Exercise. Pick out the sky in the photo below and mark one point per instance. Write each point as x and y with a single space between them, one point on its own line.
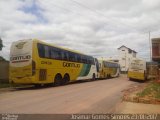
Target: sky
93 27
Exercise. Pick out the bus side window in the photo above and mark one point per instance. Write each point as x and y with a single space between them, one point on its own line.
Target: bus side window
84 59
65 55
41 50
71 56
88 60
79 58
107 64
56 53
46 49
91 60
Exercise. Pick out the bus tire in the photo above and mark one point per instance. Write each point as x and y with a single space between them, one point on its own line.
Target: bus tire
93 76
58 80
107 76
145 75
66 79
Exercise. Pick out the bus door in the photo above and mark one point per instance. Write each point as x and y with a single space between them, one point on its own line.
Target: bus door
97 64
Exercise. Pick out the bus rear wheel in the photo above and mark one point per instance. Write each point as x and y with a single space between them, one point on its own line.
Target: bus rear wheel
66 79
57 80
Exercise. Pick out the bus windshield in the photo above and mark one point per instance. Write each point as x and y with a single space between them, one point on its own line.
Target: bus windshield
138 65
21 53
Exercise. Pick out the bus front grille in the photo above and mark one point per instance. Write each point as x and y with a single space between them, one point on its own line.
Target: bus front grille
42 74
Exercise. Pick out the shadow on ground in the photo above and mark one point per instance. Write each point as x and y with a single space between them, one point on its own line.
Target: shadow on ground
33 87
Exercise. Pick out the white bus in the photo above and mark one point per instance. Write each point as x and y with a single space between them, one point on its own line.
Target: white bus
141 70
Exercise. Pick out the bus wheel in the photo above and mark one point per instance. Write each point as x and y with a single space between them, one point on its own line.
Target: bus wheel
93 76
57 80
107 76
66 79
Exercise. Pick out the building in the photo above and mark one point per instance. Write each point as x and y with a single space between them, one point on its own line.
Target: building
156 49
125 56
156 54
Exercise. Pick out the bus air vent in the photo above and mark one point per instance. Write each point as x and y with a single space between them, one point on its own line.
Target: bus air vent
42 74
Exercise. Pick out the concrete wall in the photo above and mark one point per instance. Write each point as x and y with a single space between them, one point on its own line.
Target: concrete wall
125 58
4 71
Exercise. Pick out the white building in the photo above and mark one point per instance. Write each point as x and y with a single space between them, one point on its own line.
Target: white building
125 56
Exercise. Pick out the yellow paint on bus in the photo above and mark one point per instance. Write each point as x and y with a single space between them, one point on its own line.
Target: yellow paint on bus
141 70
108 69
37 62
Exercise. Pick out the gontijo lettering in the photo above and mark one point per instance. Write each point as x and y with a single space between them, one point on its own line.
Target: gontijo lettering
67 64
20 58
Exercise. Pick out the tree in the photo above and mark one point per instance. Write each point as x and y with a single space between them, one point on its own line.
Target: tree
1 44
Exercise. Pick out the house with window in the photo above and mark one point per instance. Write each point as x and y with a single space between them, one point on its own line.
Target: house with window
125 56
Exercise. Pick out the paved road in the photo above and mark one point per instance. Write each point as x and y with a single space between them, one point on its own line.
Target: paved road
99 96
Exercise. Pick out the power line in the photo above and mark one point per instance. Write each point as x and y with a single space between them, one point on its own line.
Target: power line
115 24
75 12
101 14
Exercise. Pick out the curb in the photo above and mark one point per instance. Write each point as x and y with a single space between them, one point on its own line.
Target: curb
137 99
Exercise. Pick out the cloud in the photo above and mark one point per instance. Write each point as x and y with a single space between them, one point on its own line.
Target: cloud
96 28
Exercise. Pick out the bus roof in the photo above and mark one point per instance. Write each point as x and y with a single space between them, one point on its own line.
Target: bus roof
101 59
50 44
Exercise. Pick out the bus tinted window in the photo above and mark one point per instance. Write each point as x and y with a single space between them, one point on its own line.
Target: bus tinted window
56 53
79 58
84 59
65 55
71 56
46 51
90 60
41 50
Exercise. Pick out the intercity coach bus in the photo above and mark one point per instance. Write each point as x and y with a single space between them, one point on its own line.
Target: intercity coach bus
36 62
108 69
141 70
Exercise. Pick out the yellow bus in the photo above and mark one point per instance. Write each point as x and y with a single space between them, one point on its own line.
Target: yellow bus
36 62
141 70
108 69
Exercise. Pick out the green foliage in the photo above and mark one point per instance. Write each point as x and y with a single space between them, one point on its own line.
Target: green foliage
152 90
1 44
2 59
